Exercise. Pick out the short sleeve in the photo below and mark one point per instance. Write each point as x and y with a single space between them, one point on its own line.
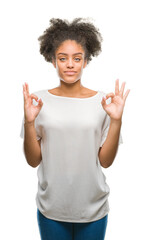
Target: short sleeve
105 129
37 127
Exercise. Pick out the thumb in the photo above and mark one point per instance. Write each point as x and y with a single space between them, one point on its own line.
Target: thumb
40 103
103 102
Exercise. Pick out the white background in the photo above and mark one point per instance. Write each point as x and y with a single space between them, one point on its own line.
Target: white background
124 26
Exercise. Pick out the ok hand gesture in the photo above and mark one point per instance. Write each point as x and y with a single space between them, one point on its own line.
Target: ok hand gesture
30 110
115 108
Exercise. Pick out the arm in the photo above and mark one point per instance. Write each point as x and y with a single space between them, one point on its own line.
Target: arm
115 110
32 148
109 149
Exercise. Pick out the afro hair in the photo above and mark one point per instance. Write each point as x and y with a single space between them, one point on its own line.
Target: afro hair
83 32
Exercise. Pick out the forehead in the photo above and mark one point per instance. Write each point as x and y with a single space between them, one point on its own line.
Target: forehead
70 47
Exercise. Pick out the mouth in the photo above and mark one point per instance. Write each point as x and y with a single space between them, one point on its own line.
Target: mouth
70 72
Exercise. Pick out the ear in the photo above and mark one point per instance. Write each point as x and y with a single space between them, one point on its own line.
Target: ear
54 62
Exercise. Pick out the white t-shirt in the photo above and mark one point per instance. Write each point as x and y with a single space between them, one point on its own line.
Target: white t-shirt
71 184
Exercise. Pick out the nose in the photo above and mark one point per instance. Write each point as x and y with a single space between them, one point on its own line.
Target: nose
70 63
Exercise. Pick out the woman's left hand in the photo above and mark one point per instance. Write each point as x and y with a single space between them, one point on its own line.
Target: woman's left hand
115 108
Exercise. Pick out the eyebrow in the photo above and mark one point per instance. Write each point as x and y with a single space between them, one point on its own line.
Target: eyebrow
67 54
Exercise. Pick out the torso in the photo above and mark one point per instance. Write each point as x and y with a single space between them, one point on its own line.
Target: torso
86 92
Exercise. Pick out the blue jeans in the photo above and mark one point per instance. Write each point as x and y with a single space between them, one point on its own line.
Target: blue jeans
57 230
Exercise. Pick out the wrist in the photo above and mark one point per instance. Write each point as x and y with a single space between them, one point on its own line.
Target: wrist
116 121
28 122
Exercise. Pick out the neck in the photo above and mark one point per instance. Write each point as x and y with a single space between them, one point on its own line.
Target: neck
70 89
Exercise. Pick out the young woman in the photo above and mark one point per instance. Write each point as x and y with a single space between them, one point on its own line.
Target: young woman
70 132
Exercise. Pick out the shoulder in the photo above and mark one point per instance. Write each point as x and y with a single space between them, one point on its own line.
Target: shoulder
101 92
91 91
39 93
86 92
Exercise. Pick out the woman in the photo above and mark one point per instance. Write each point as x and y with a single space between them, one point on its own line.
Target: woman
70 132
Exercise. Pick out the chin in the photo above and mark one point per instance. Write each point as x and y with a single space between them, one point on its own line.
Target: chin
69 80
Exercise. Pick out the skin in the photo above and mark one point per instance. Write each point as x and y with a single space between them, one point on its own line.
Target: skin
115 111
115 108
70 86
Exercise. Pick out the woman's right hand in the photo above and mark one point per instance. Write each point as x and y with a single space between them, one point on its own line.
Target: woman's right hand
30 110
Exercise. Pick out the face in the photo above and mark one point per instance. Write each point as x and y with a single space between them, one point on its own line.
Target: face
70 61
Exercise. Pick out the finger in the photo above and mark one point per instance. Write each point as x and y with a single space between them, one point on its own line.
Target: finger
126 94
24 93
40 102
117 87
103 102
110 95
27 89
34 96
103 99
122 89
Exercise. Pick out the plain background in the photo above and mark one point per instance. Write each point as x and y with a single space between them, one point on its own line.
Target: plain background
124 26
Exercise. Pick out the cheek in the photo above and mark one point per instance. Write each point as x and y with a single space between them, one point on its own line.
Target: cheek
80 68
58 68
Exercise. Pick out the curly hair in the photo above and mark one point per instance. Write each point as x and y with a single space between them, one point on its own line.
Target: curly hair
84 33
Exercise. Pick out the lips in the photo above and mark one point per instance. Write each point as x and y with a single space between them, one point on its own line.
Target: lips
69 72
